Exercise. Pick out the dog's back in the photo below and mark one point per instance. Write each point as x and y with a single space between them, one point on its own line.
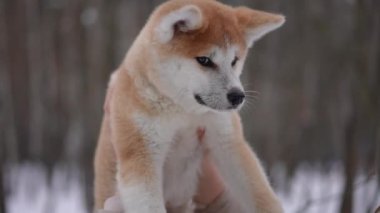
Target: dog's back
105 166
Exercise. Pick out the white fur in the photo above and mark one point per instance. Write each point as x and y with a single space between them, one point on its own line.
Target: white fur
172 141
171 136
186 18
112 79
181 78
177 155
146 196
182 166
142 197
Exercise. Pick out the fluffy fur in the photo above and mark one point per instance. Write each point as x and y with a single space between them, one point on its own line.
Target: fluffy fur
147 149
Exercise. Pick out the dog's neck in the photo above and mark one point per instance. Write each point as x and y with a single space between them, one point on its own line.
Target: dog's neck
137 65
155 101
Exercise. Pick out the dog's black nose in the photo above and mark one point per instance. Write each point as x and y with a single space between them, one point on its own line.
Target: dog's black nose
235 96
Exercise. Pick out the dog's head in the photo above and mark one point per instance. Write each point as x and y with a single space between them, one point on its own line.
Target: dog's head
198 48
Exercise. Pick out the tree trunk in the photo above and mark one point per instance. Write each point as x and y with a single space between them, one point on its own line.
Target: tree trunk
349 165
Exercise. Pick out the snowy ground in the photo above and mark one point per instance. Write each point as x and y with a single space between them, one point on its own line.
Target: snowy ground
30 193
310 191
313 191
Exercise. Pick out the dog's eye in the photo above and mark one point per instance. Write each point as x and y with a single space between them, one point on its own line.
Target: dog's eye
234 61
205 61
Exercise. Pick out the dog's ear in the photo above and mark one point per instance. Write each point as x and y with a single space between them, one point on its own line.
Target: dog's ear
184 19
257 23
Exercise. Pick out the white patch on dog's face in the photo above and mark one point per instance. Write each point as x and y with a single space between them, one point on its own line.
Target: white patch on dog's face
197 88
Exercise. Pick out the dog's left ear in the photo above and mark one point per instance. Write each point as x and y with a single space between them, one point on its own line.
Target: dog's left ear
256 23
184 19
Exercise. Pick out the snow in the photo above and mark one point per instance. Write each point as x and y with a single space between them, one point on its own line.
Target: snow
30 191
311 190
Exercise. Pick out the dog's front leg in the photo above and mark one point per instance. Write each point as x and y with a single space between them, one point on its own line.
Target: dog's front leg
139 158
139 170
244 177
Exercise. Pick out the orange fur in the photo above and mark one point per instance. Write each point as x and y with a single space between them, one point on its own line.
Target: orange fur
105 166
121 143
223 29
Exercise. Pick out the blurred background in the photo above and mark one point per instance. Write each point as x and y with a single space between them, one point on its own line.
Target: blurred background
315 121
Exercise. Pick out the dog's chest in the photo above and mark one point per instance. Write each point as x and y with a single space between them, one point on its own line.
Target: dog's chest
182 167
183 150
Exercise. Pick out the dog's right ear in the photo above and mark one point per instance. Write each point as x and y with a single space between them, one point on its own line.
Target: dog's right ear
184 19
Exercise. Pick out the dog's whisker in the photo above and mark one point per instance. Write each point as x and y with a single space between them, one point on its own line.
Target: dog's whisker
250 95
252 92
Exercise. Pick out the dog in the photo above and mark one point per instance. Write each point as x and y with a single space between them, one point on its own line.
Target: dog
182 74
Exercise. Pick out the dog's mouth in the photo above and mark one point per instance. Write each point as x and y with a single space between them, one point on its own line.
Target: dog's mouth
199 99
202 102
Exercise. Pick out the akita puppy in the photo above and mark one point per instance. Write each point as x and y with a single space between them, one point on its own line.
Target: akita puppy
181 74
